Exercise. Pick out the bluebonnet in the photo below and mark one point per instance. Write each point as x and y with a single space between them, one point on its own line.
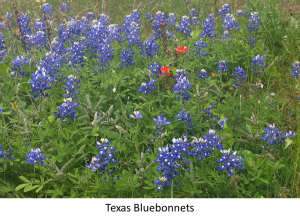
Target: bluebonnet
203 74
2 42
24 25
5 155
67 110
147 87
273 136
76 56
150 48
161 122
226 9
195 21
208 26
90 16
253 27
193 12
127 58
137 115
40 38
71 87
200 45
226 35
172 20
101 162
185 117
230 162
1 110
3 53
52 63
47 10
205 145
169 160
222 123
184 26
254 23
230 23
241 13
182 88
132 27
295 68
241 76
154 68
115 33
159 22
222 66
35 156
65 8
258 64
18 67
40 82
8 16
180 73
208 110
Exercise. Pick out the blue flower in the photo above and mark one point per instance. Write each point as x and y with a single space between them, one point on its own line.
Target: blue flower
203 74
40 83
65 8
150 48
193 12
222 66
1 109
127 58
101 162
253 27
90 16
180 73
182 88
258 64
208 26
132 28
230 162
185 117
184 26
47 10
241 76
137 115
67 110
5 155
71 87
155 69
35 156
147 87
226 9
161 122
18 69
200 45
295 68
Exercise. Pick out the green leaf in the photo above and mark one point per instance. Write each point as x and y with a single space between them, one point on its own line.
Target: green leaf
80 149
24 179
38 189
4 70
51 118
21 186
148 188
288 142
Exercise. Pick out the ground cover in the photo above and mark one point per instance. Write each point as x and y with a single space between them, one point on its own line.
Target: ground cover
149 99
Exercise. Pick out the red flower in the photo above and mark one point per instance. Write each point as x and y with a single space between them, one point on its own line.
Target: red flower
161 23
181 49
165 69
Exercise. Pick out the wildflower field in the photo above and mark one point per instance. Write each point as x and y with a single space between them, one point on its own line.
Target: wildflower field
161 98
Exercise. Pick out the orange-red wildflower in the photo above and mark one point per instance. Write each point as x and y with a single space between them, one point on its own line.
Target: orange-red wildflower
181 49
